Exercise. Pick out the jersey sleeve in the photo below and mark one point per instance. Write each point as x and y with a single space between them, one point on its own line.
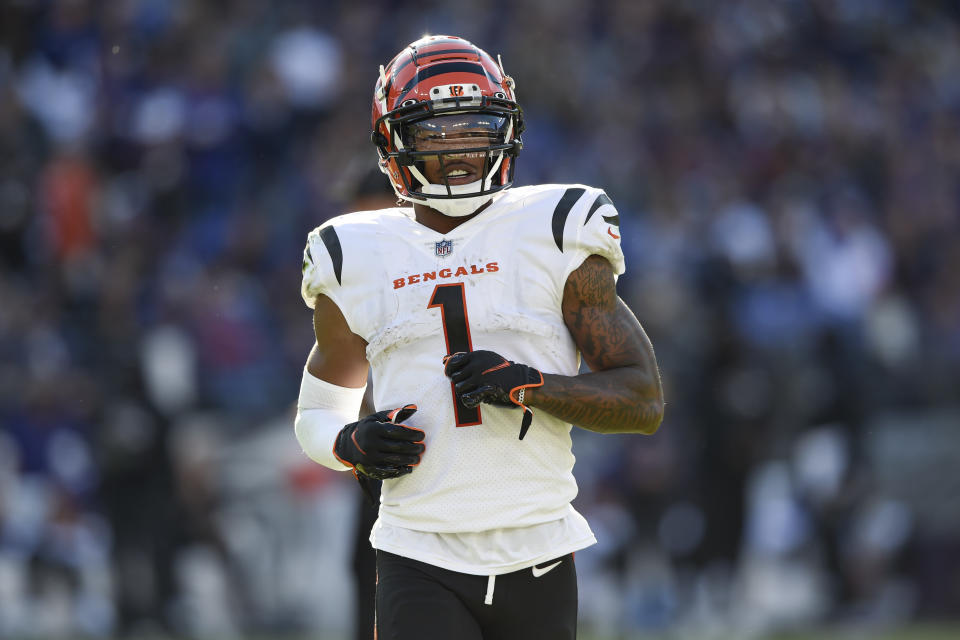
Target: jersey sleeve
598 231
322 264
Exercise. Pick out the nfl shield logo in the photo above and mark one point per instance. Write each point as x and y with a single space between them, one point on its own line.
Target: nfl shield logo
444 247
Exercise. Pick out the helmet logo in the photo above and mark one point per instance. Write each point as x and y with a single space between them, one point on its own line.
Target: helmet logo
442 91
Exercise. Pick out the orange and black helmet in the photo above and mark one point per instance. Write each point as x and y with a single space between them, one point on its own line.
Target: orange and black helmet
430 80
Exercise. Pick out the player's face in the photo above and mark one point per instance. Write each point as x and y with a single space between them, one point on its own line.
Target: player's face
467 132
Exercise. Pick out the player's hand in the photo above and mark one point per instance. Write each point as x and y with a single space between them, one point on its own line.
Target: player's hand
485 376
379 446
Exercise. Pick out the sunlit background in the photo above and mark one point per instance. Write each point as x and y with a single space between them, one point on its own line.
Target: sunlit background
788 179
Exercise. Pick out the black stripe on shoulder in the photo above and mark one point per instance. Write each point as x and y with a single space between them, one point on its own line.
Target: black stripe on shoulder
614 220
570 197
332 241
601 200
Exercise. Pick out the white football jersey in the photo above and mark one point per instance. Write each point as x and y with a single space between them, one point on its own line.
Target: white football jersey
495 282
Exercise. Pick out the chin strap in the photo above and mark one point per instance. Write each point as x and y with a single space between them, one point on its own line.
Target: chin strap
455 207
459 207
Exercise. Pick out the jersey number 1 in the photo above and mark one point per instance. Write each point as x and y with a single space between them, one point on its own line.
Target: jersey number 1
456 331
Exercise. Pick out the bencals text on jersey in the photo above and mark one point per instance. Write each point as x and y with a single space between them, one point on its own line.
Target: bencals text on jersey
448 272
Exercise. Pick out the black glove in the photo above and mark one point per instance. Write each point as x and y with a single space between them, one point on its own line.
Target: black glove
379 446
485 376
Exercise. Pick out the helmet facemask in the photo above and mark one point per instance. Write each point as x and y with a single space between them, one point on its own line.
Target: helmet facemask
449 149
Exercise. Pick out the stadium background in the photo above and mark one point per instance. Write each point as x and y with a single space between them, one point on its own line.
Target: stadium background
788 178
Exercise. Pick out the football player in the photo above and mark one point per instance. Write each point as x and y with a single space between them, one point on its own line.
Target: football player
472 307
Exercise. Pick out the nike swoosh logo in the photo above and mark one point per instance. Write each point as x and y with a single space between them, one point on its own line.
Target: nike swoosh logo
539 571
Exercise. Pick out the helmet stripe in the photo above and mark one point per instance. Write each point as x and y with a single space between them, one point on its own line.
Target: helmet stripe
447 67
418 57
443 52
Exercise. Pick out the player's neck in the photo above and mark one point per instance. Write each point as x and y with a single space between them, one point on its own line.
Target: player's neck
433 219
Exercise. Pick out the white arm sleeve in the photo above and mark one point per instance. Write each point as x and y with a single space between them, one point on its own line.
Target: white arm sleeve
322 411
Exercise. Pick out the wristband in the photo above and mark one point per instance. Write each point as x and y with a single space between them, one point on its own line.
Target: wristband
322 411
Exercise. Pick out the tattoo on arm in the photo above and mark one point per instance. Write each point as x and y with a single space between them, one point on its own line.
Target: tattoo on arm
623 392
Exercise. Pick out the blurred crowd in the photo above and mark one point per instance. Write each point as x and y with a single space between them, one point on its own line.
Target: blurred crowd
788 178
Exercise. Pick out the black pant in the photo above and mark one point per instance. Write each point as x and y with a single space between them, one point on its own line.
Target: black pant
365 565
416 600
